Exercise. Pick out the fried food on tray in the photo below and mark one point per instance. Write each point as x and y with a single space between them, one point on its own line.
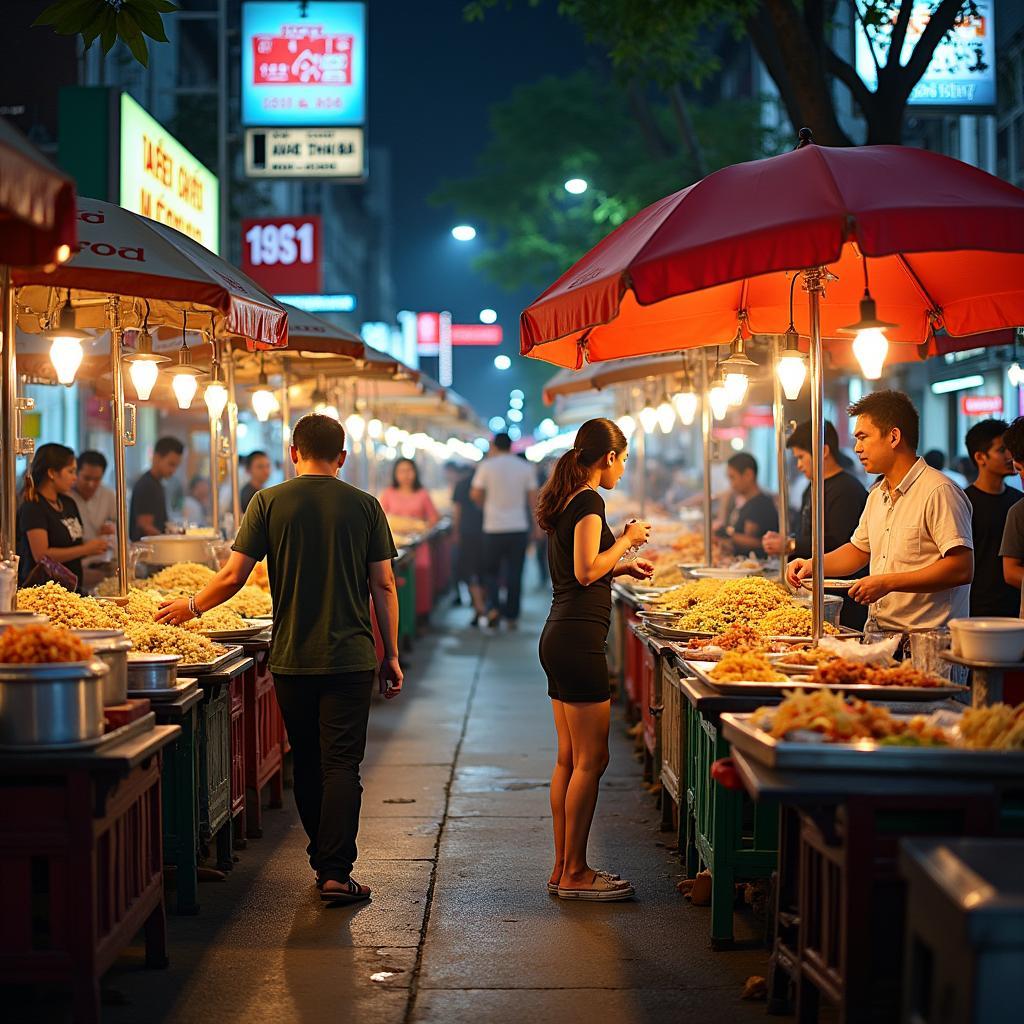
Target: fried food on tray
996 727
790 620
745 667
41 645
745 601
840 720
151 638
251 603
840 673
685 597
188 576
736 638
69 610
807 657
220 617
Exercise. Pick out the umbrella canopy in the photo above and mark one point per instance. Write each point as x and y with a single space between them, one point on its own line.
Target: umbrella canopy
945 243
596 376
121 253
37 204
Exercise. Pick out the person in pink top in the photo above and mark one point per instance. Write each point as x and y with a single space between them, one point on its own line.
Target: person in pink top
408 497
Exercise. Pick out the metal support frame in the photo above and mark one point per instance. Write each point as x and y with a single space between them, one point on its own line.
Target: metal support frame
814 284
286 424
120 482
8 419
779 415
705 433
214 449
232 409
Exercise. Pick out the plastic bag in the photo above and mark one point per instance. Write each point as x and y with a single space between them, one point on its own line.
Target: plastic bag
880 653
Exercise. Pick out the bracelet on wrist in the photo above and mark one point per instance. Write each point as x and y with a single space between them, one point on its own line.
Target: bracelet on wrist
192 605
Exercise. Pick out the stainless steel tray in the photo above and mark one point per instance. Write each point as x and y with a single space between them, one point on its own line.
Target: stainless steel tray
181 687
667 633
889 694
866 755
205 668
233 634
123 732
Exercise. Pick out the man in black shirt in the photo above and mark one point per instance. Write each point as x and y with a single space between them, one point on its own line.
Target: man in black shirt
845 498
147 515
750 513
991 501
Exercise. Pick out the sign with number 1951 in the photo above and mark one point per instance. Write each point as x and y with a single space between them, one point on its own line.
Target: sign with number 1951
283 253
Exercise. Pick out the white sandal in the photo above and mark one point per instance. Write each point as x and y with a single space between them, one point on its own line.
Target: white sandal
606 890
553 886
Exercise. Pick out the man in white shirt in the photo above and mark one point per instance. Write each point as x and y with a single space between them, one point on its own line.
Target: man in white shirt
915 529
97 504
505 486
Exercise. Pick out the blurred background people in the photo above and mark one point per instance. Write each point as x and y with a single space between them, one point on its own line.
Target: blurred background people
147 514
749 512
468 529
196 508
257 468
97 506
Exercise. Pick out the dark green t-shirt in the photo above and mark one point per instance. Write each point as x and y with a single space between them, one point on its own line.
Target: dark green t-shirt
319 536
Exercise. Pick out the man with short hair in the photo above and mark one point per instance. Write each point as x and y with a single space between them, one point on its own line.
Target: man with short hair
97 503
750 513
257 465
506 488
915 530
1012 548
329 550
991 501
845 498
147 515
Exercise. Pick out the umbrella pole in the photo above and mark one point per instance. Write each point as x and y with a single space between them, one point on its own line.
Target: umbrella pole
286 417
779 414
641 451
9 423
214 455
814 283
120 483
236 503
705 433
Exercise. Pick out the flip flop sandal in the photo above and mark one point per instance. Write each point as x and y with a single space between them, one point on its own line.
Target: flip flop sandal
607 892
553 886
352 893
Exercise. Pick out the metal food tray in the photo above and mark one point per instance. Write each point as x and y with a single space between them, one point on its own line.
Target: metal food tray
233 634
667 633
122 732
866 755
205 668
181 687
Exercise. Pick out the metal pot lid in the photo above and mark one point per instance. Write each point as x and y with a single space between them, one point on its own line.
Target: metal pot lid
99 634
52 671
141 658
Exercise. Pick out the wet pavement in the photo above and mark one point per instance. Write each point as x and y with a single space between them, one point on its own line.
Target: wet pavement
455 843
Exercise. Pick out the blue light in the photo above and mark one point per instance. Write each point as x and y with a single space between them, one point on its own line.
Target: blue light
320 303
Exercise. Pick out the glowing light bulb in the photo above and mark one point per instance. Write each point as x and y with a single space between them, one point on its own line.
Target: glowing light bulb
871 347
627 425
66 356
666 416
375 429
792 371
648 418
143 373
356 426
264 402
718 397
332 411
391 436
184 386
736 387
686 406
216 397
408 450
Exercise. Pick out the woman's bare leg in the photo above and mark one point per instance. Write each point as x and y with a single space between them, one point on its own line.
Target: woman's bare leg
588 730
560 776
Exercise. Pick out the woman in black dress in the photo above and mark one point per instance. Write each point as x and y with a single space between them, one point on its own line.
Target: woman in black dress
583 556
49 523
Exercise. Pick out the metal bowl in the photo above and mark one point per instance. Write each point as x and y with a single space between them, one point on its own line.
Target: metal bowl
59 702
111 647
152 671
22 619
171 548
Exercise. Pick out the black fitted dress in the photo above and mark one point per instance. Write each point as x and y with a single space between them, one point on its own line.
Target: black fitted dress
572 646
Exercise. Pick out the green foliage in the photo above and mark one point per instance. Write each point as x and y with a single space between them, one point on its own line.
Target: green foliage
582 126
129 21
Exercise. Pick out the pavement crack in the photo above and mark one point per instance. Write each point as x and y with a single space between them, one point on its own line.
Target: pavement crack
414 982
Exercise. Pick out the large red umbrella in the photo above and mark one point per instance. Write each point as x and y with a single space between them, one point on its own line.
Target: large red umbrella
943 241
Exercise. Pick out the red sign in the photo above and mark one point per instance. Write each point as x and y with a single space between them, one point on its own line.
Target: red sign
981 405
302 55
428 333
758 416
283 254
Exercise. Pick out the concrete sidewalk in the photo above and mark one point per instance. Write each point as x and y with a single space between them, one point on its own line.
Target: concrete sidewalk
456 845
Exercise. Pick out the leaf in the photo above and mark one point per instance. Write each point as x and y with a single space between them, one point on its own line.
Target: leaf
150 22
137 44
127 27
163 6
70 16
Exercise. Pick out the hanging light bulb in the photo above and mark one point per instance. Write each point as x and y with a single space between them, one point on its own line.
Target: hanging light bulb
144 363
264 401
374 429
216 398
332 411
392 436
184 376
718 397
648 418
736 368
870 345
666 415
736 387
627 425
319 399
355 425
792 366
686 406
66 344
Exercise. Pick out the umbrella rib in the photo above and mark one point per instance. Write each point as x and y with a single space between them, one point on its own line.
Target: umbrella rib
933 306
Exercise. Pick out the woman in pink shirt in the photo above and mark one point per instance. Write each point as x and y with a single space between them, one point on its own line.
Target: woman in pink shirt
408 497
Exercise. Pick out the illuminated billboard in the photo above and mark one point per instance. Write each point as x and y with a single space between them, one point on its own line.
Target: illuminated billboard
162 180
962 72
303 65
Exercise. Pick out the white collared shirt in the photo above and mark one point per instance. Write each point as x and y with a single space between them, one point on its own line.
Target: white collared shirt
912 527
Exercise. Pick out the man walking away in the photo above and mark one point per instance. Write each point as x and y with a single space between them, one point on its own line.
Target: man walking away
991 501
505 487
328 549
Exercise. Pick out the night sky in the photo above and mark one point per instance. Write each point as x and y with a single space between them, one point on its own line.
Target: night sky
433 78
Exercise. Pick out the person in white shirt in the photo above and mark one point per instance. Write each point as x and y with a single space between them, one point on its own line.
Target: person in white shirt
505 486
915 529
96 503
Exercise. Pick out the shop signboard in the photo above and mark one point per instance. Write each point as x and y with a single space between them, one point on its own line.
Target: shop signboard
962 72
283 254
303 65
428 331
981 405
305 153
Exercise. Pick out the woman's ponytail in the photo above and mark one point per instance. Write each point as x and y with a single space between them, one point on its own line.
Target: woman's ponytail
594 440
47 457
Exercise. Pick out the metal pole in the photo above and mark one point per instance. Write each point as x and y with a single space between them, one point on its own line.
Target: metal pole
705 433
223 168
779 414
814 284
120 483
214 450
8 421
641 452
286 417
236 503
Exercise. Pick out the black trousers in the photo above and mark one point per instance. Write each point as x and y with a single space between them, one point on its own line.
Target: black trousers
504 555
326 718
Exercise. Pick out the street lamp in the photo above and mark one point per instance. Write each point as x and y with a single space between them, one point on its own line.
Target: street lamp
576 186
502 363
463 232
488 316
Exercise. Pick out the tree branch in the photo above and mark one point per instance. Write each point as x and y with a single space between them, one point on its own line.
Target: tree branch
686 129
855 4
941 21
652 134
899 34
847 74
762 34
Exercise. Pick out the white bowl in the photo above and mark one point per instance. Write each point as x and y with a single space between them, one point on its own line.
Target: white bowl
991 639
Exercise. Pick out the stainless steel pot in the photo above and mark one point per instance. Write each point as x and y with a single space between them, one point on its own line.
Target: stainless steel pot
152 671
60 702
22 619
171 548
111 647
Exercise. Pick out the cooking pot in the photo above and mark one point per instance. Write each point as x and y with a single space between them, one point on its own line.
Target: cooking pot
152 671
172 548
111 647
22 619
59 702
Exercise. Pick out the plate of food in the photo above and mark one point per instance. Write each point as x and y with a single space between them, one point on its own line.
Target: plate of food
808 584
